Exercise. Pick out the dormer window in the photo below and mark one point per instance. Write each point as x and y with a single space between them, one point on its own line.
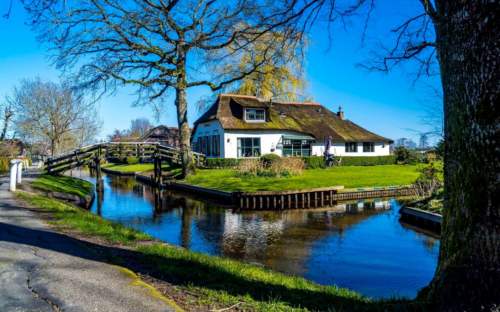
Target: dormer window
255 114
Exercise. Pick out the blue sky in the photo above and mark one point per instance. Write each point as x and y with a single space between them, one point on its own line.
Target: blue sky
387 104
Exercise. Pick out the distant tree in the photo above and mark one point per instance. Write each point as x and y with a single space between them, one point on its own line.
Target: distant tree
139 127
7 114
162 46
50 112
423 141
119 135
405 142
87 129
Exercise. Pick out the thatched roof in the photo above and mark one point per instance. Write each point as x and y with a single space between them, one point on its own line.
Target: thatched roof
307 117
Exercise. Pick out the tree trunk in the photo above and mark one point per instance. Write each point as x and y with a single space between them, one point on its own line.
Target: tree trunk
4 129
52 147
182 120
468 273
6 120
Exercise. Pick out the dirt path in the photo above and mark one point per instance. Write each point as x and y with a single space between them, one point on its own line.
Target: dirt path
41 270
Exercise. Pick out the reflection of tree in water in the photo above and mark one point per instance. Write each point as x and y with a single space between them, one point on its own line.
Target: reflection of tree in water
275 238
280 239
121 184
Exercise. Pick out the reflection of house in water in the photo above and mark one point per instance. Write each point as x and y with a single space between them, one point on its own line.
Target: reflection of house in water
279 239
365 205
284 239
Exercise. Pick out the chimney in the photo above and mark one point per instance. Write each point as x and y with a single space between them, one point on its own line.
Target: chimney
340 113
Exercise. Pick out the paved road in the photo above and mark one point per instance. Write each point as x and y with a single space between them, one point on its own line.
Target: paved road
41 270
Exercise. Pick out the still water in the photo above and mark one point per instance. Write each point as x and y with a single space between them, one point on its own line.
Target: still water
359 245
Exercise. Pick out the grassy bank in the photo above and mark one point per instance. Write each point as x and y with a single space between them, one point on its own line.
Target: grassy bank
128 168
63 184
349 177
136 168
201 282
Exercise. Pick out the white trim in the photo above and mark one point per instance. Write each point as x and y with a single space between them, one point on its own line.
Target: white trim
254 120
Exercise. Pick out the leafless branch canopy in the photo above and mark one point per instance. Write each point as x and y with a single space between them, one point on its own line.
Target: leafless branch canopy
160 44
412 41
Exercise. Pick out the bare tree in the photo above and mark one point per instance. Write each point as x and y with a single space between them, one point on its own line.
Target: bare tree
7 114
165 45
85 130
51 113
139 127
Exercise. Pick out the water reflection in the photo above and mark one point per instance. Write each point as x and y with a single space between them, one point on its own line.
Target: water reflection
360 245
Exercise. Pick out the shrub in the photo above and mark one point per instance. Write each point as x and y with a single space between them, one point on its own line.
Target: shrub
314 162
220 163
269 159
406 156
4 164
428 183
250 166
280 167
287 166
132 160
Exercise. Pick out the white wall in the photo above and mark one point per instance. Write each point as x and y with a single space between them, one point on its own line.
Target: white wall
269 139
338 149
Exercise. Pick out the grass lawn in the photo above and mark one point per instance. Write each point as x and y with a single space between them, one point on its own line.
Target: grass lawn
135 167
129 168
209 280
349 177
63 184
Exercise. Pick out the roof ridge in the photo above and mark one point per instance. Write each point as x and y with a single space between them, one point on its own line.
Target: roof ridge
266 101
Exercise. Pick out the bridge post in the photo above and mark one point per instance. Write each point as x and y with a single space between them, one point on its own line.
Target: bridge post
97 164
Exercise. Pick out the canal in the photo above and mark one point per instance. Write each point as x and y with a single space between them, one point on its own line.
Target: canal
358 245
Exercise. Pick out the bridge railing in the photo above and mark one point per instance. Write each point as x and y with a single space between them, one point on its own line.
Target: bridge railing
118 150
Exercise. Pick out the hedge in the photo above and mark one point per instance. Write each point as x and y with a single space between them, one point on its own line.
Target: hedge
368 161
219 163
314 162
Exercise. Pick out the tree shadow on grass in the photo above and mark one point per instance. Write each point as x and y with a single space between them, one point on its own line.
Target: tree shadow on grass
184 272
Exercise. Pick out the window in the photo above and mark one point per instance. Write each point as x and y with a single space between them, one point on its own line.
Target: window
208 145
255 114
248 147
368 147
351 147
296 147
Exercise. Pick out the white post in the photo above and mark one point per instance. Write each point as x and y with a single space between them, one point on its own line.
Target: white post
13 174
19 172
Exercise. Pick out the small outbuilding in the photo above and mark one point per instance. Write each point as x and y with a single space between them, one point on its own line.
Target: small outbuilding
162 134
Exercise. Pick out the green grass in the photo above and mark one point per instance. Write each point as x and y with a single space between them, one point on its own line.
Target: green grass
63 184
135 167
129 168
349 177
213 281
67 216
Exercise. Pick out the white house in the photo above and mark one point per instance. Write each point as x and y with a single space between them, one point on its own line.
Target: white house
245 126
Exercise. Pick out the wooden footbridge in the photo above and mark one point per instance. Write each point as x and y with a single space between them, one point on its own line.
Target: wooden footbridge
93 155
